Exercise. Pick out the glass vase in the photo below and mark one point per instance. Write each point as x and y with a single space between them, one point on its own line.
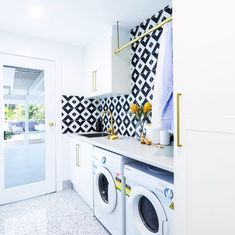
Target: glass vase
139 129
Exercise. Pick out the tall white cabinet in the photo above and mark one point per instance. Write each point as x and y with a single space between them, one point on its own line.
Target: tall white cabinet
204 72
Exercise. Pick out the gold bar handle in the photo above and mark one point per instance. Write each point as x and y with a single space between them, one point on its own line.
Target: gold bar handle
178 119
93 88
77 155
95 85
94 81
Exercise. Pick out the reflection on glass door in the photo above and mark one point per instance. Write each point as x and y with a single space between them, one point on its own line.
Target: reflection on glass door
24 127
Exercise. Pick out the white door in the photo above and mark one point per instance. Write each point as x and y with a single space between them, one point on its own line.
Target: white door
105 190
147 214
204 72
27 119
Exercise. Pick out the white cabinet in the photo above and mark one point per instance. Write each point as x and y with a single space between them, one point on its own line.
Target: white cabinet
106 73
80 169
204 72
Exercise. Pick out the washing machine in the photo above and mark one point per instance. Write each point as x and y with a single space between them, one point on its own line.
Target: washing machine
109 189
149 200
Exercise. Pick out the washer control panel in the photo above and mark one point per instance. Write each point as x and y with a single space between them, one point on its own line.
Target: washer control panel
103 160
168 193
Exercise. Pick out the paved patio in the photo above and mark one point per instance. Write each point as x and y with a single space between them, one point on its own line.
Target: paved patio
24 163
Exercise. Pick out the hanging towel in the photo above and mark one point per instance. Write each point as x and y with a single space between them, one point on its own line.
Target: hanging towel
162 111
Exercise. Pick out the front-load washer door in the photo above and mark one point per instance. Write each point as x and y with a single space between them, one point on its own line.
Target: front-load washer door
105 189
147 214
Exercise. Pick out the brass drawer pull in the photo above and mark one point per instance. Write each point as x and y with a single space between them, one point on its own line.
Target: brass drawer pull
178 119
77 155
94 86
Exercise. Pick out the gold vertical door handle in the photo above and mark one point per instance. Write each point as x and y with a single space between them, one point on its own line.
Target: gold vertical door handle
95 85
51 124
77 155
93 89
178 119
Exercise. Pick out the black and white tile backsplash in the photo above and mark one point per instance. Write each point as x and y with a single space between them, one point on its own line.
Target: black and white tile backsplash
119 106
80 114
144 56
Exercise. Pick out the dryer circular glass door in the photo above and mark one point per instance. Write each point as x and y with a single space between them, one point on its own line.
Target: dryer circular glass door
105 189
147 213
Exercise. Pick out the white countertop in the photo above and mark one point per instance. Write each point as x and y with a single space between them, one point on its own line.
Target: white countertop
129 147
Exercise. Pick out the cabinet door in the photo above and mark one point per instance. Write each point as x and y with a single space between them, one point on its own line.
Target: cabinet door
74 164
98 67
106 67
204 72
90 69
204 55
85 188
205 184
81 169
102 60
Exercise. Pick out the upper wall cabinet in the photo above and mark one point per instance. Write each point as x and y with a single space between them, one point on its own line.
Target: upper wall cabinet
105 72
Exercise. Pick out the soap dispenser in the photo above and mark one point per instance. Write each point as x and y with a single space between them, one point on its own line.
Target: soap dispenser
99 125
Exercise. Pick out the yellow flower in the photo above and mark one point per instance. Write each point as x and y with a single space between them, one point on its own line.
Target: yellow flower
147 107
133 108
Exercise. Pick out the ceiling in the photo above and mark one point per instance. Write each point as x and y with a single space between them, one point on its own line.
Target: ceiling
74 21
23 81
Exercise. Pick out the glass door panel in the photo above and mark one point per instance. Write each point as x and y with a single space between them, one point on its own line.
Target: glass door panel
24 133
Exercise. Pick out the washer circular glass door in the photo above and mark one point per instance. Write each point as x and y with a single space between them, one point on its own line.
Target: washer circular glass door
147 213
105 189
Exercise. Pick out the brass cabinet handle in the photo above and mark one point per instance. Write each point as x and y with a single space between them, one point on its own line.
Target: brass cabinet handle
178 119
94 87
77 155
95 81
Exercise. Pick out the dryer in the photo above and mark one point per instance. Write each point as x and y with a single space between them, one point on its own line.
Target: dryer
149 200
109 189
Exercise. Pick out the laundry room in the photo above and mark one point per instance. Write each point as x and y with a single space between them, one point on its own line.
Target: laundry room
116 117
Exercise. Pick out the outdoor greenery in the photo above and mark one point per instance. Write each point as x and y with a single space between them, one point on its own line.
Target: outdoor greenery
17 112
36 113
14 112
7 135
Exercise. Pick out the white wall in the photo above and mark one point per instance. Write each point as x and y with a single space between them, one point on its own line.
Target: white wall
69 73
68 58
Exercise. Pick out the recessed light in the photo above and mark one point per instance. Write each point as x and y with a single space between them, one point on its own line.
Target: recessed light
36 12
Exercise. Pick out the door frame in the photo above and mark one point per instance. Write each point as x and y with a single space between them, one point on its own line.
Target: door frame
58 135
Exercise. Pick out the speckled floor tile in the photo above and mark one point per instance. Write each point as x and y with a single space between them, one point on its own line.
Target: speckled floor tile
62 213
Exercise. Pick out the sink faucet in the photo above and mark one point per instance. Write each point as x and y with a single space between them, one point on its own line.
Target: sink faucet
110 130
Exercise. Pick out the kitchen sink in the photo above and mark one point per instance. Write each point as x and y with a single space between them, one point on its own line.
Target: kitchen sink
92 135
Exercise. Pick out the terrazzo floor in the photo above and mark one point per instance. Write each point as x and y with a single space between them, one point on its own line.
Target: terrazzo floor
61 213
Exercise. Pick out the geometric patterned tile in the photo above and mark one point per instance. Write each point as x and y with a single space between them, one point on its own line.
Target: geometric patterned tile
79 114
